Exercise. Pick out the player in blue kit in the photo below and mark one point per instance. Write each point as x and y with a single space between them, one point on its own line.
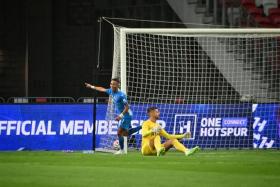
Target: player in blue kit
122 108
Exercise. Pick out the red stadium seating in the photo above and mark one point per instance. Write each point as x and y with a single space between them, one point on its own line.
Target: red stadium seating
248 4
263 21
41 100
276 20
257 14
274 16
274 11
255 11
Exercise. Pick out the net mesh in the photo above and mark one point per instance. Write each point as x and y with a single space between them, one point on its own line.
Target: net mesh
205 84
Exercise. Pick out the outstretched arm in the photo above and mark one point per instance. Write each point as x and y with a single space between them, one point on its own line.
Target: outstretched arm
174 136
100 89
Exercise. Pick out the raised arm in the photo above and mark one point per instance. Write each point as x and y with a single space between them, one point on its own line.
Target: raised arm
98 88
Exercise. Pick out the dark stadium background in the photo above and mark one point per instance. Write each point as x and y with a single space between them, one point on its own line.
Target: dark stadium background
49 48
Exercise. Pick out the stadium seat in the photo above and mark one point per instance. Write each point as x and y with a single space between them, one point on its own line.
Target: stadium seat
275 19
274 11
248 3
263 21
274 16
253 11
41 100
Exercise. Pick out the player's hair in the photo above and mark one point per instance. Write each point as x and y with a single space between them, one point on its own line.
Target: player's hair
116 79
151 109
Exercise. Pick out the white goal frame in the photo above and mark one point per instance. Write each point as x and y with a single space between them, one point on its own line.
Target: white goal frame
190 31
121 37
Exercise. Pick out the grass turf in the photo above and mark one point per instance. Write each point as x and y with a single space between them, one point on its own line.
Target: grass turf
205 168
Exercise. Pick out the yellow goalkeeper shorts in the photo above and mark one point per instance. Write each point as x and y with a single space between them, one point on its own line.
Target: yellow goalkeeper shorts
147 150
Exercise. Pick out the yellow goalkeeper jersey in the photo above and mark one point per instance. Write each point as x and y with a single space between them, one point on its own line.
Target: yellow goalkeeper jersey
147 126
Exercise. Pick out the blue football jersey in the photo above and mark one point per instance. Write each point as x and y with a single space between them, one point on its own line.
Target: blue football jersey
119 101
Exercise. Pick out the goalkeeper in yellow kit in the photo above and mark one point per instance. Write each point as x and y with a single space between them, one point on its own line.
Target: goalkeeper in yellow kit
151 137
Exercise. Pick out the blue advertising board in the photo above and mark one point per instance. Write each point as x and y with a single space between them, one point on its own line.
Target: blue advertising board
266 125
69 126
45 127
210 125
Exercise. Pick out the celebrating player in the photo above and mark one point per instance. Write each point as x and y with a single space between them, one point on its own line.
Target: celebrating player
151 133
125 114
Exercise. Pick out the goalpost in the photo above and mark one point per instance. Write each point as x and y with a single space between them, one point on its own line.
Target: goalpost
221 85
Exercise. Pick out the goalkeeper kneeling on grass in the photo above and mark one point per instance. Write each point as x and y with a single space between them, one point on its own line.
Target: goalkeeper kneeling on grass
151 137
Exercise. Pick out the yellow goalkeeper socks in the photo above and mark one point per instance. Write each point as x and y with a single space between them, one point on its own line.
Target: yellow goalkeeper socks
179 146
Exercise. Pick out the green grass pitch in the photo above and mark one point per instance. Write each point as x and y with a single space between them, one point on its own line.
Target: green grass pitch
205 168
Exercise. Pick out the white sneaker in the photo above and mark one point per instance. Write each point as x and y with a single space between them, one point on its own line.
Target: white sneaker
161 152
119 152
192 151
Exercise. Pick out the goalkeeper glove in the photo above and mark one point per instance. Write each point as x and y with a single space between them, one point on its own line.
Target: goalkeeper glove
156 129
187 135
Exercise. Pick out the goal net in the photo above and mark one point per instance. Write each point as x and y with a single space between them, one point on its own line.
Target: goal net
221 85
